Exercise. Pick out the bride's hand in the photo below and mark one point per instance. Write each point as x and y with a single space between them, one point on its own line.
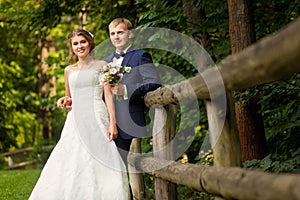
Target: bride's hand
65 102
118 89
112 132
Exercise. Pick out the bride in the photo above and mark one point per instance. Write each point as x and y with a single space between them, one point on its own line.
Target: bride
85 163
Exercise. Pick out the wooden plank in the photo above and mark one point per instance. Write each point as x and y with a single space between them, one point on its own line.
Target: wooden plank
163 130
227 182
136 177
10 153
22 164
224 136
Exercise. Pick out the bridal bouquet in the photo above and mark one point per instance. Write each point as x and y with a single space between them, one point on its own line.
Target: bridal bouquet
113 73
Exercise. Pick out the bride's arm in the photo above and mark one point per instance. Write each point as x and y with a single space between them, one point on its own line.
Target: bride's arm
66 101
112 132
66 78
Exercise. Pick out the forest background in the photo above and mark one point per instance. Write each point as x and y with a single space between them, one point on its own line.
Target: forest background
34 54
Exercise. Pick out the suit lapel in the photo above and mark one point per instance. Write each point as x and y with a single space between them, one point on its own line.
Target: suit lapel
128 56
109 58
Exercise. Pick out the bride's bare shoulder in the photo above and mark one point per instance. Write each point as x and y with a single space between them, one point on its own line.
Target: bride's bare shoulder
101 62
69 67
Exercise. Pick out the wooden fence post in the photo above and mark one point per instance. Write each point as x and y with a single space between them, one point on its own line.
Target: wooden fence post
224 134
135 177
10 161
164 128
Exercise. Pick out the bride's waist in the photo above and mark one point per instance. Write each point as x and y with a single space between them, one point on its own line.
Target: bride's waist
87 103
87 91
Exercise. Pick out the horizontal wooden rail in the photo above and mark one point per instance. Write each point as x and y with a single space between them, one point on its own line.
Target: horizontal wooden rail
11 154
230 183
22 164
18 151
27 149
273 58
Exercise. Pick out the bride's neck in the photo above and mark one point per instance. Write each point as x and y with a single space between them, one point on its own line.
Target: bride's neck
85 62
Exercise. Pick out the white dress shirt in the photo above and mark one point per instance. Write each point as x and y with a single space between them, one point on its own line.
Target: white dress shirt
119 62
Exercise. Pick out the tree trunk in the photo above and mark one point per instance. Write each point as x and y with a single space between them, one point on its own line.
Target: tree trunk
43 78
195 15
48 84
253 140
250 122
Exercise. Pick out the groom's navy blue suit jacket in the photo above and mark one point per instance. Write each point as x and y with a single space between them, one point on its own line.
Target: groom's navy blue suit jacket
142 78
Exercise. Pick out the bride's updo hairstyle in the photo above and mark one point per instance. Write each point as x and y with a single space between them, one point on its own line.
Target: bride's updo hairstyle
87 35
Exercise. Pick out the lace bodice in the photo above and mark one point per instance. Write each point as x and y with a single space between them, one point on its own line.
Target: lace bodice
85 85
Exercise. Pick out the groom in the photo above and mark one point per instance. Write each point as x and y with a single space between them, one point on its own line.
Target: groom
143 77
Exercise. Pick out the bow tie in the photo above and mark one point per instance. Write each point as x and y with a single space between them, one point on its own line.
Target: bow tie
117 55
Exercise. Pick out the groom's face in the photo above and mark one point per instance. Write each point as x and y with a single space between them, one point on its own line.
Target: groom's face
120 36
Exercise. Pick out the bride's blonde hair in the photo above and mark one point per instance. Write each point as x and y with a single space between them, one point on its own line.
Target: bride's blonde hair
87 35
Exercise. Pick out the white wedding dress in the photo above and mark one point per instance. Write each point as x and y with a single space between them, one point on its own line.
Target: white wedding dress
84 165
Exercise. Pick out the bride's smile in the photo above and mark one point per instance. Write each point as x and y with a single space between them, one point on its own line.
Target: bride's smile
80 46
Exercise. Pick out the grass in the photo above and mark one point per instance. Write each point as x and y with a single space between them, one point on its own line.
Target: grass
17 184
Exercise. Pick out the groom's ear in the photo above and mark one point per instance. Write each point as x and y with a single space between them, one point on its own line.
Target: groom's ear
130 34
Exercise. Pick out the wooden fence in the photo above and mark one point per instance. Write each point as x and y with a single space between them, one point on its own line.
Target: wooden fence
16 158
273 58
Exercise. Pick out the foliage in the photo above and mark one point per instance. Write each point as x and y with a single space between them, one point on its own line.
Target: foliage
183 192
6 94
280 107
26 24
269 16
186 193
161 14
276 163
149 186
278 100
17 184
200 148
281 111
15 120
17 76
170 14
40 154
2 163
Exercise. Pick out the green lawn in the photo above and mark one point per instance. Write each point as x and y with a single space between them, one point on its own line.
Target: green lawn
17 184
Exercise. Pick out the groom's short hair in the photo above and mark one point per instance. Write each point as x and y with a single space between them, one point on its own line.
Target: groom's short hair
120 20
